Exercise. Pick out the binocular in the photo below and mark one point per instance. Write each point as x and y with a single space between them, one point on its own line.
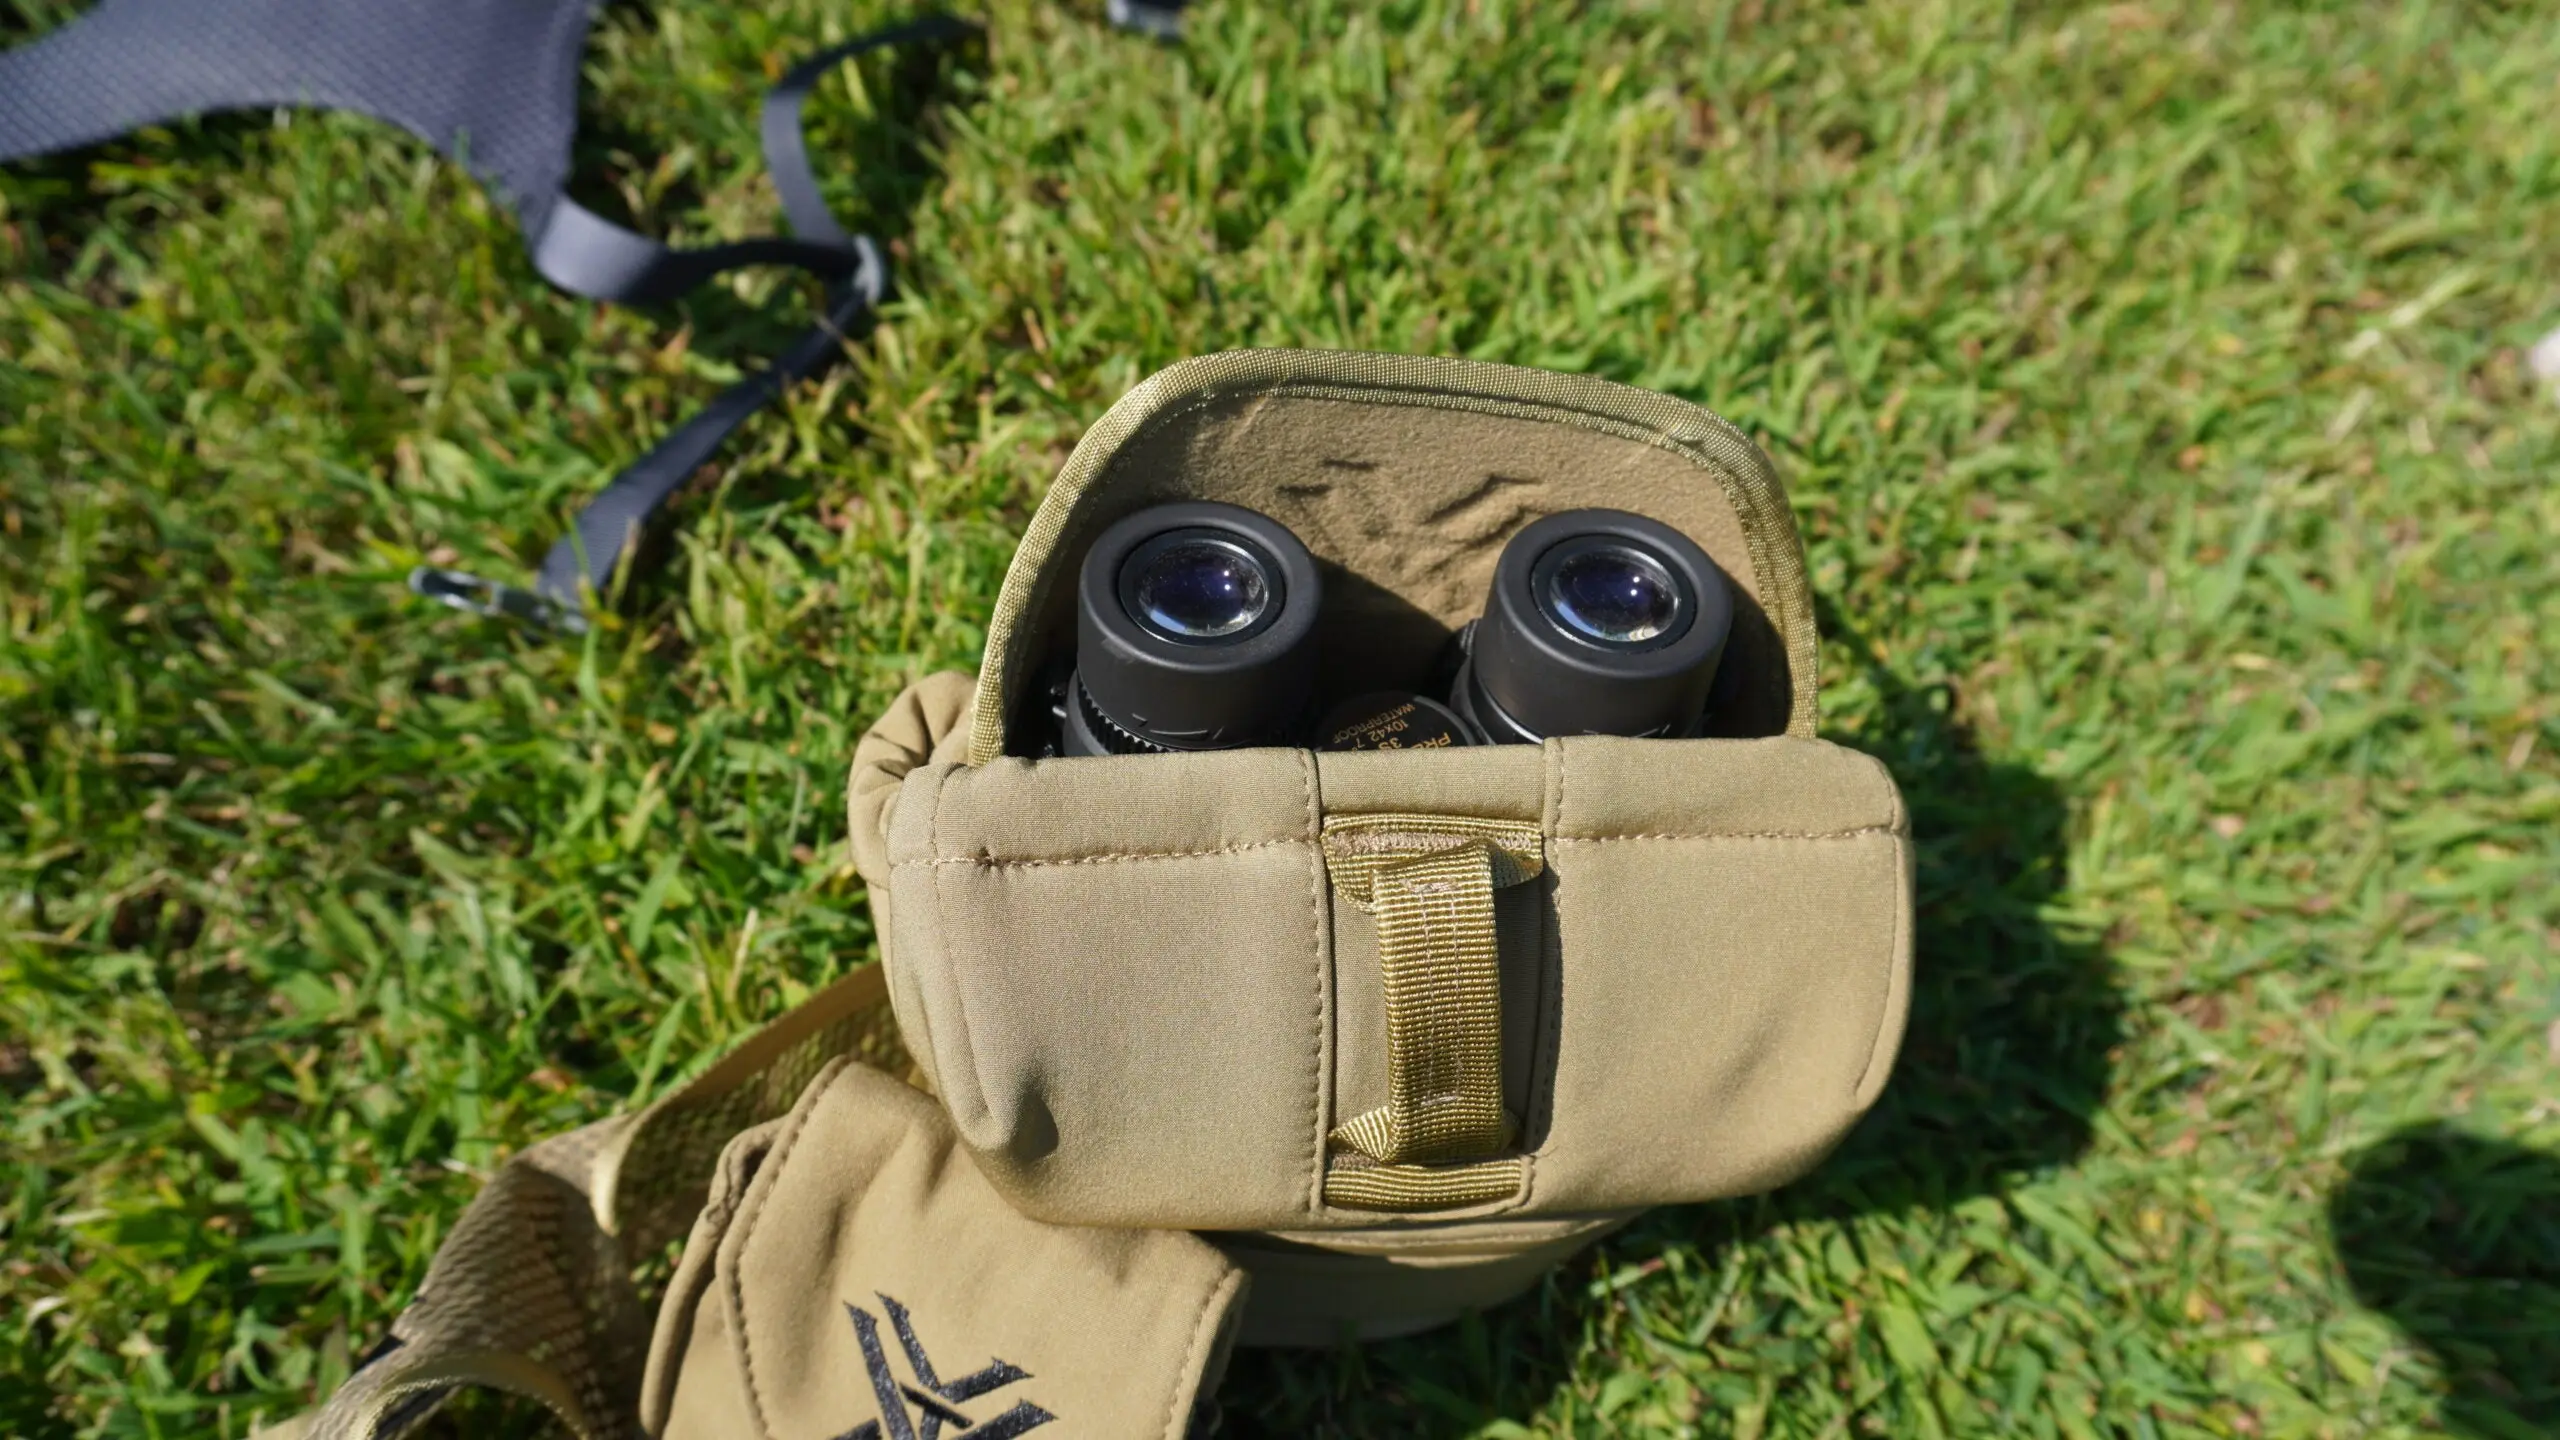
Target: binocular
1196 629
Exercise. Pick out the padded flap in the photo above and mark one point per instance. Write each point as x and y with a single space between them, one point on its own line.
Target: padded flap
1143 1003
852 1271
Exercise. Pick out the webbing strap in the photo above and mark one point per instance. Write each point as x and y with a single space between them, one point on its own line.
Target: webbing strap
1430 881
531 1292
1357 847
583 253
493 84
586 254
1444 1012
609 528
1424 1187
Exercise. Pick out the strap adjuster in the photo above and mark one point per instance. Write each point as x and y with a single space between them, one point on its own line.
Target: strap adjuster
498 601
1156 19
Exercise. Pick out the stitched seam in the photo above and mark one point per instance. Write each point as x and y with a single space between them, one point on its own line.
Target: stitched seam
1546 1038
1546 1059
1884 778
710 1228
991 862
1555 763
1734 835
750 1212
1193 1356
1521 1198
946 950
1901 910
1321 1029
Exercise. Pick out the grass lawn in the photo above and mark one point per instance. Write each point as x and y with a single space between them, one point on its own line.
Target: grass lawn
2149 381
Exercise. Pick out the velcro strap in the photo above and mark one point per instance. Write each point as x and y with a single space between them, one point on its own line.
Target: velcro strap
1355 1186
1429 880
1357 847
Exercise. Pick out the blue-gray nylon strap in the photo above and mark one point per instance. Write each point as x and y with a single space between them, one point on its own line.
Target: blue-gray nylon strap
493 84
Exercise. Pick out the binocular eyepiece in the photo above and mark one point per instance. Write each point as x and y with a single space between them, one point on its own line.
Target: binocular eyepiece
1195 630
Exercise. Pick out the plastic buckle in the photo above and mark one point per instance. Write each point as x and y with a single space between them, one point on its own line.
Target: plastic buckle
1158 19
471 593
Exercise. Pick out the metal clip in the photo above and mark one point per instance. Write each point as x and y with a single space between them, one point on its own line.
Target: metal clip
503 602
1155 19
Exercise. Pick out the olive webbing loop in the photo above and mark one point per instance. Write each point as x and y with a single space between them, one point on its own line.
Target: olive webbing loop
1429 881
1424 1187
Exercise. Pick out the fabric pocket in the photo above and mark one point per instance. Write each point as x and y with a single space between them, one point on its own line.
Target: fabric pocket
1153 990
853 1275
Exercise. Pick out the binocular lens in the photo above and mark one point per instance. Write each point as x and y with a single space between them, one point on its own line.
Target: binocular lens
1609 592
1195 630
1198 585
1600 622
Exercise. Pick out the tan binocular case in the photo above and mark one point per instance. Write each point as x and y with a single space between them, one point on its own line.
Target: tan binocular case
1260 1046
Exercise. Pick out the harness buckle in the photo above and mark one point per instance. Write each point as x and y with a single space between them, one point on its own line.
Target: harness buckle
497 601
1155 19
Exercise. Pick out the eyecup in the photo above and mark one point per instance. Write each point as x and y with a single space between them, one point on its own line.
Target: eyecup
1527 677
1172 695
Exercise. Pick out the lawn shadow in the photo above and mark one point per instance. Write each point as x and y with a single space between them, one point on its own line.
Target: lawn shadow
889 159
57 203
2008 1055
2456 1237
876 169
2005 1063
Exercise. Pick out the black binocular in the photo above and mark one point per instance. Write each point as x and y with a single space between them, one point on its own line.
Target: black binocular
1196 630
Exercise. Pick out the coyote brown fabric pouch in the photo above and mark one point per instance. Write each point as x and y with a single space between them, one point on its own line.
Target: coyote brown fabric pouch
851 1264
1400 1027
849 1273
1394 1032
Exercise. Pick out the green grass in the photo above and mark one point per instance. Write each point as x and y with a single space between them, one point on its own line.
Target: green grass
2147 378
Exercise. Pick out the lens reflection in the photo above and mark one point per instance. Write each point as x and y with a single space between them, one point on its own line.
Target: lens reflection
1201 589
1615 595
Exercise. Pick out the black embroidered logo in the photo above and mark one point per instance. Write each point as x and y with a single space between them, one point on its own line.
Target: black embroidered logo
934 1398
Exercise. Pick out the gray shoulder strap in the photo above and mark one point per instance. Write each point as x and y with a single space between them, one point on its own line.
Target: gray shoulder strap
493 84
